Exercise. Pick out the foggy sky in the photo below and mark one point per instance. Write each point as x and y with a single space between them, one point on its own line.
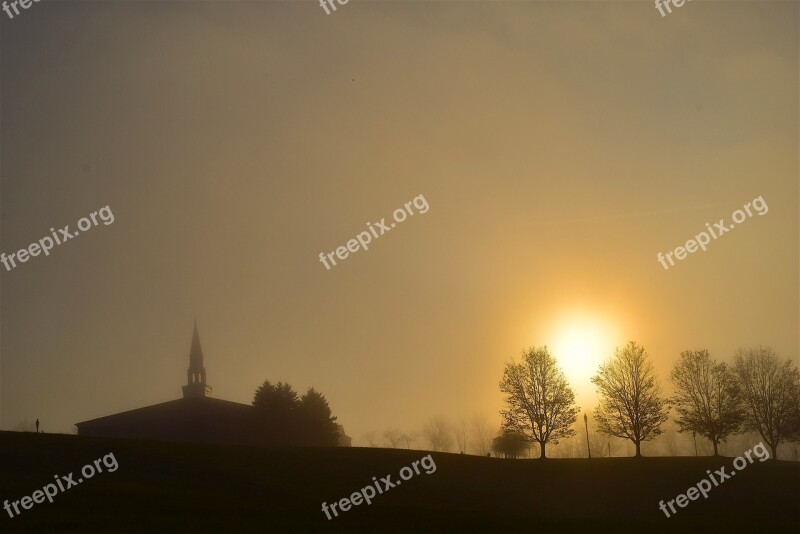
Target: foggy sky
560 147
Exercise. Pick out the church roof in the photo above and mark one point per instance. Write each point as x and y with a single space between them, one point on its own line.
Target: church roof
186 407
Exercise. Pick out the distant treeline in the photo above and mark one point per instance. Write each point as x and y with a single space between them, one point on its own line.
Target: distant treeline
759 393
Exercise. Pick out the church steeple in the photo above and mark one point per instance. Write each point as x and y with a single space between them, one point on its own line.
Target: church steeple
196 386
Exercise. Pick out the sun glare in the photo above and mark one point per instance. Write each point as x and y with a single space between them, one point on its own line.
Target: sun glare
580 345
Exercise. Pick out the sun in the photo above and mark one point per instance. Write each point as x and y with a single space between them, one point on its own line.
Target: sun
580 345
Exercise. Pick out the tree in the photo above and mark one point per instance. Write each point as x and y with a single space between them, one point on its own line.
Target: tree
285 419
771 395
460 431
509 444
671 442
278 398
369 438
540 404
707 397
793 434
437 432
410 438
393 437
481 435
630 405
278 405
317 424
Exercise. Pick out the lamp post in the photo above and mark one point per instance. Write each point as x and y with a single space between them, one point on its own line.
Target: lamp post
586 422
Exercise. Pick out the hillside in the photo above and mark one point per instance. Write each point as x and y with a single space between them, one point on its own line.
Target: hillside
193 488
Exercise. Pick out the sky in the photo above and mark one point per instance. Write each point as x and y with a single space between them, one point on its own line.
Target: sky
559 146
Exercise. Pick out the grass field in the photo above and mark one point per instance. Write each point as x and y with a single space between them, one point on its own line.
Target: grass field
162 487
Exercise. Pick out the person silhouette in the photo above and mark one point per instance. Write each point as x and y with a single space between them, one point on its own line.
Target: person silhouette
37 425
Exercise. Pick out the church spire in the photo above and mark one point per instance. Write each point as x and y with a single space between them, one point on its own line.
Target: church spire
196 386
196 355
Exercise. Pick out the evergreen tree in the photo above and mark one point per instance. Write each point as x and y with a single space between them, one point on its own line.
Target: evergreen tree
279 410
318 425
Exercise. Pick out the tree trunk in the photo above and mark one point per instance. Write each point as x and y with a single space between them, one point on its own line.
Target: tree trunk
638 449
716 453
542 444
773 448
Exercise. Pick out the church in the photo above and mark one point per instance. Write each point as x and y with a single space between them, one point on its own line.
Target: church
195 418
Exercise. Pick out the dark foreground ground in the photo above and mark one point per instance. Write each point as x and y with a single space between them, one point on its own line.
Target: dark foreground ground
190 488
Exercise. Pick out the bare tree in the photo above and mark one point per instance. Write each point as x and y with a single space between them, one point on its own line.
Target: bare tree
631 405
671 442
437 433
540 404
393 437
771 394
481 435
369 439
409 438
707 397
460 431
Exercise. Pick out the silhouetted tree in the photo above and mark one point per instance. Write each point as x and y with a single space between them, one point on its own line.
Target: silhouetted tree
437 433
771 395
279 406
285 419
278 398
509 444
317 423
540 404
630 405
707 397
